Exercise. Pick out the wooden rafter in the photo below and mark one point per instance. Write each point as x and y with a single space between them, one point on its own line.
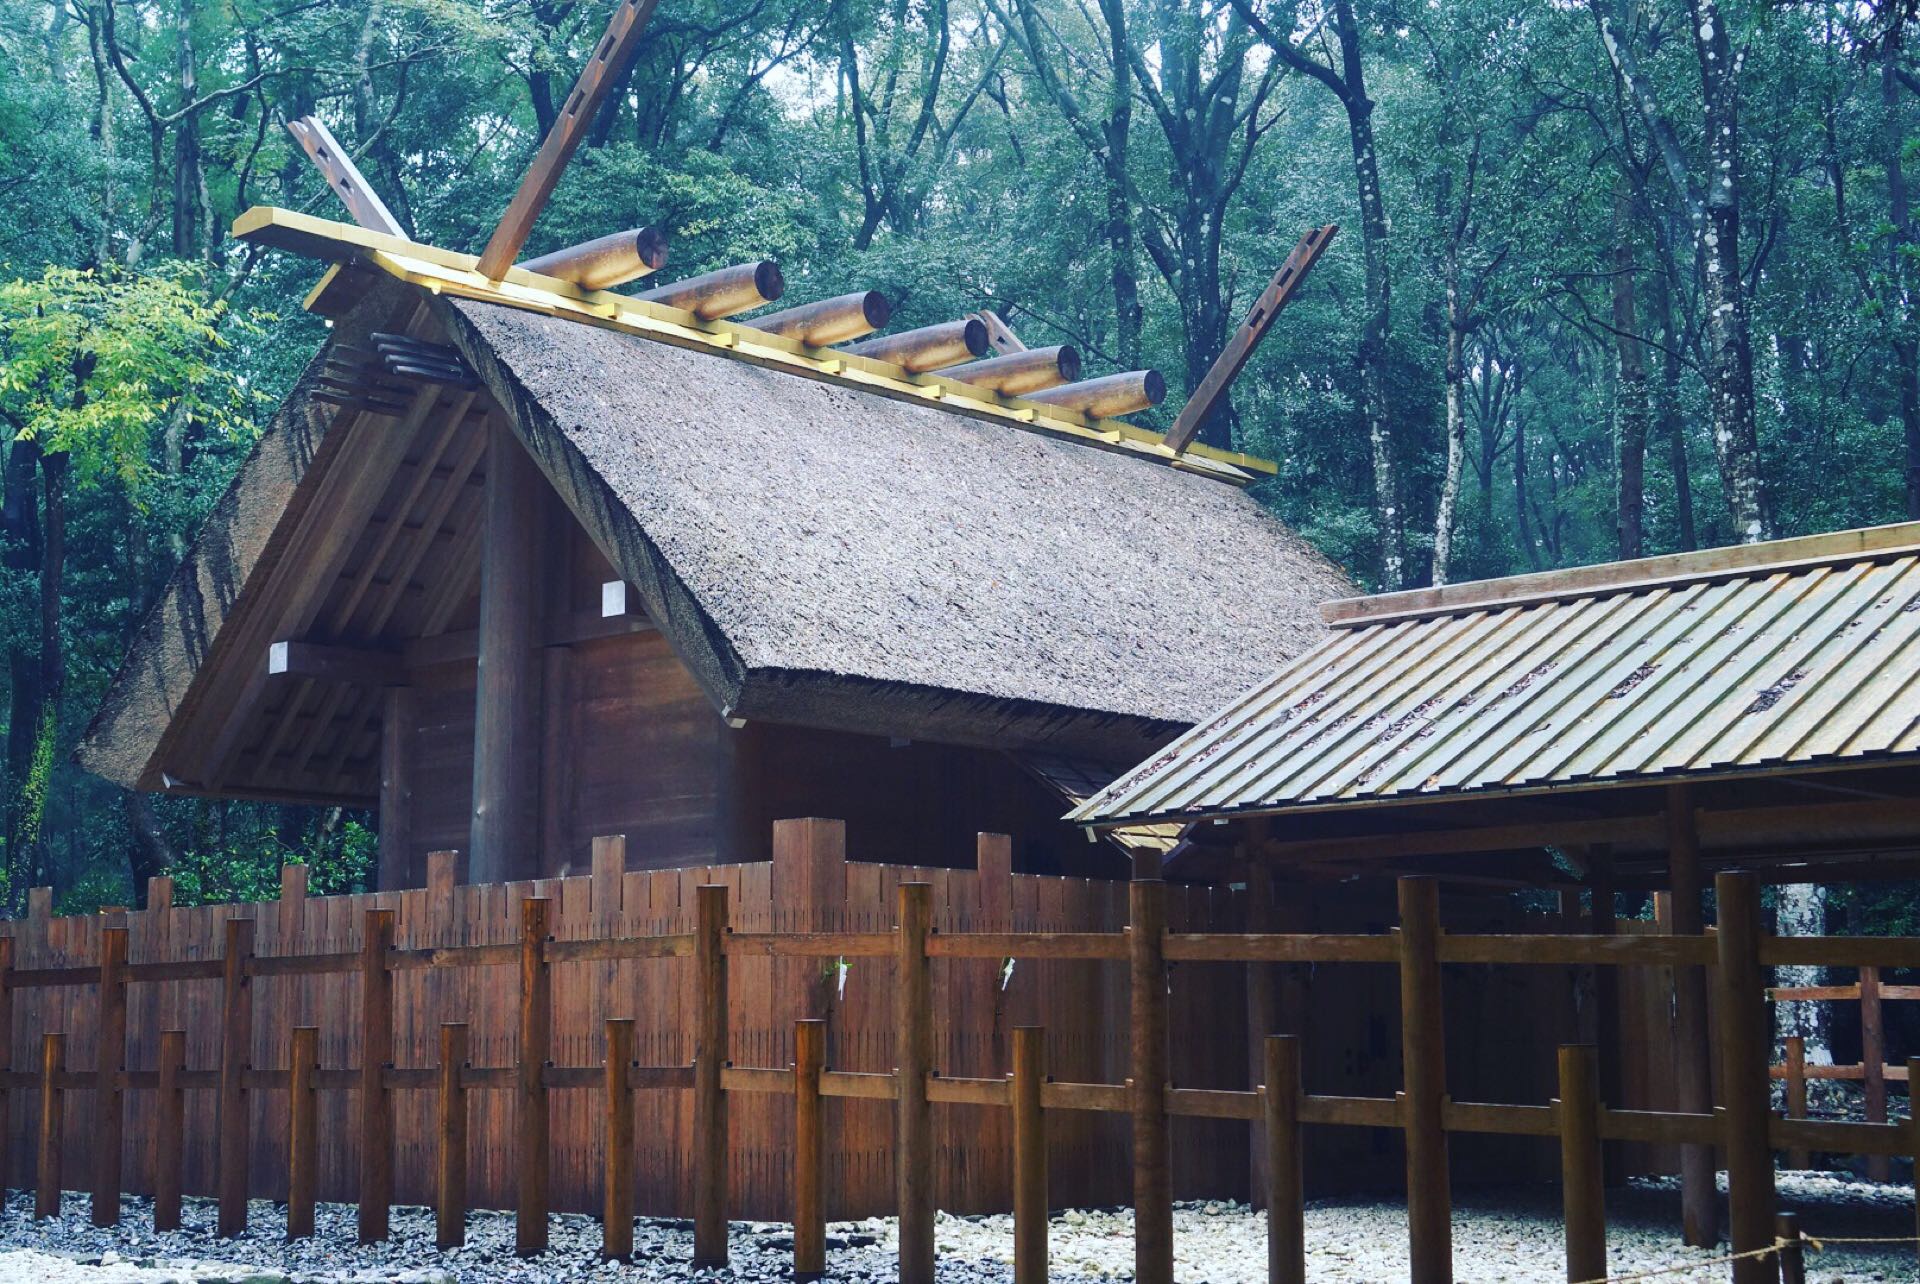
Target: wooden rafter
1233 358
604 69
343 176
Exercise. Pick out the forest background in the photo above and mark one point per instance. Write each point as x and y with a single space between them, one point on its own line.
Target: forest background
1617 277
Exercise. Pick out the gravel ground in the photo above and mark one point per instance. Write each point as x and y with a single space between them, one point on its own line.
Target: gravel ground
1510 1236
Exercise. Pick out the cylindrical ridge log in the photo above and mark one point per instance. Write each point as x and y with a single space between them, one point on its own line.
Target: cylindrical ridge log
723 292
931 347
1018 373
830 321
1109 395
606 261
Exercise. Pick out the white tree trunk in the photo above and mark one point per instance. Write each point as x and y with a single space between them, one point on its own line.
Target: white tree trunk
1801 910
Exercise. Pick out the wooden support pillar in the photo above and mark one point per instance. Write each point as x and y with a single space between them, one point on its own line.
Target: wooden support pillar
53 1103
1796 1066
303 1136
1692 1049
616 1213
169 1112
236 1047
1286 1188
396 790
809 1151
376 1058
1746 1046
709 1058
110 1059
450 1166
1424 1079
1606 1003
1152 1146
913 1061
1873 1056
1029 1156
1582 1176
532 1117
506 727
6 1061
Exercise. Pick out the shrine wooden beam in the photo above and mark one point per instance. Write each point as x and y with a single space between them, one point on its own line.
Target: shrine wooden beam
343 176
605 68
363 666
1233 358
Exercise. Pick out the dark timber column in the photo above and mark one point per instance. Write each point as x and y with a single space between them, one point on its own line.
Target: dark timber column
1693 1055
396 790
506 725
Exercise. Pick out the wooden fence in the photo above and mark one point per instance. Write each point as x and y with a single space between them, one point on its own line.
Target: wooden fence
1871 1071
1034 1102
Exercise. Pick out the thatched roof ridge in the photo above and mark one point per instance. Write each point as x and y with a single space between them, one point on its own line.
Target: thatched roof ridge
856 561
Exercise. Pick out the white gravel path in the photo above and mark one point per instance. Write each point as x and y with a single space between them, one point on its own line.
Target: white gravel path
1503 1237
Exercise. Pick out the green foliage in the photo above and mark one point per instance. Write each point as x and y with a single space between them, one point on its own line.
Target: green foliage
91 362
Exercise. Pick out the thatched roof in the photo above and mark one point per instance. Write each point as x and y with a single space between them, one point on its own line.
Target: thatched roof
822 556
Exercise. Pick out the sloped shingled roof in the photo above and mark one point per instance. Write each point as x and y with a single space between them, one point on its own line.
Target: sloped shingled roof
1800 654
819 555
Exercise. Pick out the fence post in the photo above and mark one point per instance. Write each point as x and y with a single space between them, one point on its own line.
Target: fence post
110 1059
1796 1050
913 1061
6 1059
376 1055
536 1049
1582 1168
1286 1191
1152 1161
1913 1126
709 1057
1793 1258
1692 1037
169 1109
1745 1052
450 1184
303 1058
1423 1075
53 1067
809 1151
236 1047
1873 1053
616 1221
1029 1156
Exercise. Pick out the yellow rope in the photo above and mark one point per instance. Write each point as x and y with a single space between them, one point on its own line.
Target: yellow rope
1768 1251
1816 1243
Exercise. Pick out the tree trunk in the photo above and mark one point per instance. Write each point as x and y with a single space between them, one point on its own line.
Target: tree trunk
1906 345
188 181
1630 415
149 855
1456 381
1672 430
25 703
1727 339
1522 529
1800 909
53 659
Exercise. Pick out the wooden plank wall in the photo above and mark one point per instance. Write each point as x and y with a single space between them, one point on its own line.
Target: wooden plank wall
1348 1020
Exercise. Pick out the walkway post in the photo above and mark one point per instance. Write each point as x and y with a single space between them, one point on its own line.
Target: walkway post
236 1047
169 1116
1029 1156
376 1099
1424 1076
53 1069
1152 1148
616 1213
1693 1078
1286 1193
1745 1051
709 1056
303 1058
913 1056
809 1151
532 1118
1582 1169
450 1163
110 1058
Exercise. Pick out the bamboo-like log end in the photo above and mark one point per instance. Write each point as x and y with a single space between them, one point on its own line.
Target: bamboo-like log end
1109 395
931 347
829 321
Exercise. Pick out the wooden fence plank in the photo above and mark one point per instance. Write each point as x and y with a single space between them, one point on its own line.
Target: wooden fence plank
709 1059
530 1096
617 1215
913 1060
809 1151
1745 1050
1029 1156
376 1056
110 1058
450 1159
303 1137
1582 1176
1286 1190
169 1115
1152 1145
1423 1077
46 1196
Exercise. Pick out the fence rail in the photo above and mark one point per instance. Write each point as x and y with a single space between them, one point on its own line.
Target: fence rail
1278 1109
1872 1070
